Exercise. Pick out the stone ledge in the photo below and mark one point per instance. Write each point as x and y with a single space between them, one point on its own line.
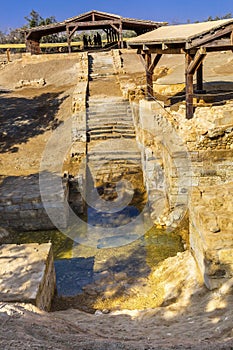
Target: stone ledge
27 274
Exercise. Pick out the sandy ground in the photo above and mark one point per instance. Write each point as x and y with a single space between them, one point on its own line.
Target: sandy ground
191 318
29 115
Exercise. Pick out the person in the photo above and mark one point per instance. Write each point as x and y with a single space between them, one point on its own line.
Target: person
89 41
99 40
95 40
85 42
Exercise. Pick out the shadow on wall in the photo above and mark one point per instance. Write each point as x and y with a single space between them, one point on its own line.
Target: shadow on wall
22 118
214 92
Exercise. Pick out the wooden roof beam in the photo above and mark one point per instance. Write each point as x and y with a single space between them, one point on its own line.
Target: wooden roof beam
94 23
211 36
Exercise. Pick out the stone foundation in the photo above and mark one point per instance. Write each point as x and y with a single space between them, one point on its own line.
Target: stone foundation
21 206
27 274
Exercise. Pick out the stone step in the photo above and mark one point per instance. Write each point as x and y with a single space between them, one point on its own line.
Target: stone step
94 76
109 134
111 129
116 151
113 156
115 162
107 126
110 117
107 101
107 108
111 114
112 136
110 120
117 173
99 173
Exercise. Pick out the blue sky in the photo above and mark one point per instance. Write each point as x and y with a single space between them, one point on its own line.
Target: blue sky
173 11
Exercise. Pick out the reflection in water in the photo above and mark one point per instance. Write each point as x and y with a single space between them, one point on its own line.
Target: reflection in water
78 265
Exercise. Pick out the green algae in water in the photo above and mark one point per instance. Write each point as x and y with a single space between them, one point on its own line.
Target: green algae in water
161 244
62 245
158 244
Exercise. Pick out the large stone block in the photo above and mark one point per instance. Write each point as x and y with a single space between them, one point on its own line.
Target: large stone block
27 274
211 239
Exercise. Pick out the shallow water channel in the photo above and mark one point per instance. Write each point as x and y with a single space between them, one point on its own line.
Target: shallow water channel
80 267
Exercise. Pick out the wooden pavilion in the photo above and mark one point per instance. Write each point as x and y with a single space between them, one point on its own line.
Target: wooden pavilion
112 24
195 41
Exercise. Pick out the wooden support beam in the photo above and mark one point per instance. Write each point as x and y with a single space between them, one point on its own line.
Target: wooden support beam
155 62
189 86
198 59
149 77
115 27
149 66
73 31
121 44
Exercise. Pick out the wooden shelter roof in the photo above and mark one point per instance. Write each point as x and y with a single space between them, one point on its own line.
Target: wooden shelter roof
194 41
94 20
187 36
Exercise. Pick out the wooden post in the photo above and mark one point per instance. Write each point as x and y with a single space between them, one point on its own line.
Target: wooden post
121 36
33 46
68 39
111 37
149 67
199 76
188 87
149 77
8 51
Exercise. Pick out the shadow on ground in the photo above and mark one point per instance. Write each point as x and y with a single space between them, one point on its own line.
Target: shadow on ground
23 118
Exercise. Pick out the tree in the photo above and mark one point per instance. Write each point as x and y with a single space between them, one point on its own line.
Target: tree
35 20
217 18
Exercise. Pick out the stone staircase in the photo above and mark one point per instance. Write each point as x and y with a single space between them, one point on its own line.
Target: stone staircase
100 65
109 118
112 160
112 152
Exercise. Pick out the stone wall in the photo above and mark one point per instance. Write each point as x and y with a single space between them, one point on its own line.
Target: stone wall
22 208
165 161
79 109
180 156
211 227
